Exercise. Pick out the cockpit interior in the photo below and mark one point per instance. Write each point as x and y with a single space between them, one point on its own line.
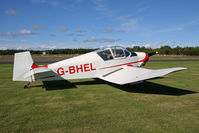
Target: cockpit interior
114 52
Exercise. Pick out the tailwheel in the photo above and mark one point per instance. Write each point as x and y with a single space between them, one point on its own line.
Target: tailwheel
26 86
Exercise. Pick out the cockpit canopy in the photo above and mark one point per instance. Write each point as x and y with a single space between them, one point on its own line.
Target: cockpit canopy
113 52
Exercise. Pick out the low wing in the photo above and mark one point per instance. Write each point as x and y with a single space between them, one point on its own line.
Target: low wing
135 74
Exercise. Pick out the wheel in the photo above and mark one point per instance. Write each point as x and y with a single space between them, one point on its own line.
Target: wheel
25 86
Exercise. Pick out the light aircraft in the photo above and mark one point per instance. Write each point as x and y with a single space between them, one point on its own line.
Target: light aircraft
113 64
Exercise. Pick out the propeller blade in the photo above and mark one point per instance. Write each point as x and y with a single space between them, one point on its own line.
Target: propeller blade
153 53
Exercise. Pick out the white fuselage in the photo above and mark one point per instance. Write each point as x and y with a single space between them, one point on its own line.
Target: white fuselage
91 65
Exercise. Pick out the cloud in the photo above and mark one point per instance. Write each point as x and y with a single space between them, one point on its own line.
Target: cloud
142 9
75 40
176 28
21 32
70 34
158 44
39 1
81 31
7 34
3 48
47 47
57 4
26 32
29 46
102 8
80 35
130 24
99 5
108 30
169 30
4 39
127 22
11 12
63 29
193 22
121 30
52 35
147 45
166 30
23 40
130 21
49 2
38 27
100 40
79 1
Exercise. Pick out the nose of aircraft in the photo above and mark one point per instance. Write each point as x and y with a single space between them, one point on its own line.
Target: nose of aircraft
143 57
146 57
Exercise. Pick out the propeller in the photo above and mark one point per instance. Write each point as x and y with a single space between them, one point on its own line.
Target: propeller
153 53
147 57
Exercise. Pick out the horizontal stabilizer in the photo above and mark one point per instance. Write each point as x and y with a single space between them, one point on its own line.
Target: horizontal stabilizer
42 74
35 71
136 74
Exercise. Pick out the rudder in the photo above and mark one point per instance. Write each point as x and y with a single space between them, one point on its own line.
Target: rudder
22 64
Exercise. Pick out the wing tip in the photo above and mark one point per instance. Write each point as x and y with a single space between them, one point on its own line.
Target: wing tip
181 68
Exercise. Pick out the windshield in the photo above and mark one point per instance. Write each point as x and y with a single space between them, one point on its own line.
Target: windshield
127 53
113 52
118 52
105 54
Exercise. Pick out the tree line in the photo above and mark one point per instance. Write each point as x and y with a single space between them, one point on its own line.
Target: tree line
50 52
165 50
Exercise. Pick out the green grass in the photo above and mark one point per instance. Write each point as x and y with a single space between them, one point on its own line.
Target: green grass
163 105
172 57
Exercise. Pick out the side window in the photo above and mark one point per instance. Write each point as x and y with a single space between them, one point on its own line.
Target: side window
118 52
127 53
105 55
133 54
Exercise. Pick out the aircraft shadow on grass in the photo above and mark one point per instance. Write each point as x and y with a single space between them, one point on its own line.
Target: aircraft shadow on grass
145 87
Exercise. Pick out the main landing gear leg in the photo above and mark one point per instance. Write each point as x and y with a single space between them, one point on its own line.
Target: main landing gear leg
26 86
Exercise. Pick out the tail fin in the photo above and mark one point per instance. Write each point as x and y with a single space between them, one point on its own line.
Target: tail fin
22 64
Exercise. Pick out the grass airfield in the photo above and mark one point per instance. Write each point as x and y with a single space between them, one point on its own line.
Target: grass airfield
168 104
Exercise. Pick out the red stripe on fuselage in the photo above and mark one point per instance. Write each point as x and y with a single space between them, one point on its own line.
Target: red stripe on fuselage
129 64
141 67
34 66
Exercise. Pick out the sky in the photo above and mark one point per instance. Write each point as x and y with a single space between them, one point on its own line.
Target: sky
54 24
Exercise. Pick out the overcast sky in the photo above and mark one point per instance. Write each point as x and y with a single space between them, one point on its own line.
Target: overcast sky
41 24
